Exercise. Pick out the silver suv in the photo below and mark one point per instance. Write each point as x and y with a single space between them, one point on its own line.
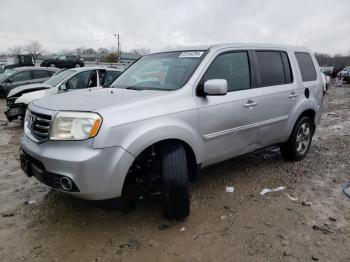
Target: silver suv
169 115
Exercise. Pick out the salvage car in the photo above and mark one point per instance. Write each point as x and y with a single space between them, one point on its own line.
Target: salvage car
19 98
17 61
152 135
345 74
64 61
12 78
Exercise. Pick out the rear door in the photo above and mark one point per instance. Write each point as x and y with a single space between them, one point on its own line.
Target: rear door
39 76
276 94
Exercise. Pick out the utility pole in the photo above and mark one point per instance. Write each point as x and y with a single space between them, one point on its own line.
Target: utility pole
118 49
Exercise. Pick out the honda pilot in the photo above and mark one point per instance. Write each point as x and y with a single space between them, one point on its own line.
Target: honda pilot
170 114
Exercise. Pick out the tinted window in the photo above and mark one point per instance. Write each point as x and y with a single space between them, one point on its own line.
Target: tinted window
271 68
21 76
40 74
307 68
234 67
71 57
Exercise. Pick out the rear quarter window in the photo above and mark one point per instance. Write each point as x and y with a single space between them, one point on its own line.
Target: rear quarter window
307 67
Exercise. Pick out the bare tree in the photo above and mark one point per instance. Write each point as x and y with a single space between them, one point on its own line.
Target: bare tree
102 50
110 58
140 51
34 48
15 50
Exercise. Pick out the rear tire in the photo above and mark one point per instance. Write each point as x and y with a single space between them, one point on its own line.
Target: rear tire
175 193
299 142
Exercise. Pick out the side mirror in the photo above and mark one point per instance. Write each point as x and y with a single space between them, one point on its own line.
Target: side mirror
62 87
215 87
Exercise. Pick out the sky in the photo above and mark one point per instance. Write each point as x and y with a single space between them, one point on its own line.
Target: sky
323 26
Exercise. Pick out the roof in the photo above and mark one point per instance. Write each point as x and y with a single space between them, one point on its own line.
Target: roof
82 69
24 68
235 45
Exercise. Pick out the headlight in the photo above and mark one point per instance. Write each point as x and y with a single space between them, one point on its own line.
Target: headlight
75 126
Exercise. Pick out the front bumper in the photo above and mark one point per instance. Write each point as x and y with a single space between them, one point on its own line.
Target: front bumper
97 173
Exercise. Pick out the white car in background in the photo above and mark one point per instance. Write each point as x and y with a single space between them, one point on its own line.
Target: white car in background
20 97
325 81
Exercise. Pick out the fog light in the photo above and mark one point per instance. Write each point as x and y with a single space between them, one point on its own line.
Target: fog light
66 183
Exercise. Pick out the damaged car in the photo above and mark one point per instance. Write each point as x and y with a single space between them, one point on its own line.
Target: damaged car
19 98
169 115
15 77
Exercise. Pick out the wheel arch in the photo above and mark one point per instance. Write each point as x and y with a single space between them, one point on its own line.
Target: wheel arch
309 112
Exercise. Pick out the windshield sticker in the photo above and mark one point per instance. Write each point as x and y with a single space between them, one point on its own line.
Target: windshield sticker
191 54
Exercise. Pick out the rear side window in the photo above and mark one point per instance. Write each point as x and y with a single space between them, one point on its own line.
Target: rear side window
40 74
234 67
307 67
274 68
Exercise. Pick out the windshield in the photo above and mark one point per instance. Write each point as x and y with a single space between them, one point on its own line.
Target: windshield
165 71
56 79
7 73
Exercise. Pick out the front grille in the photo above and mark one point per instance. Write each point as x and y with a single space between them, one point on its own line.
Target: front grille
39 125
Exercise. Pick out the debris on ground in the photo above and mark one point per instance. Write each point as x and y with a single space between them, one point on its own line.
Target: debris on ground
346 190
292 198
267 190
182 229
230 189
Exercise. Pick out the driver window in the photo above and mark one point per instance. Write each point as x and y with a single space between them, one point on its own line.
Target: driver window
79 81
234 67
62 57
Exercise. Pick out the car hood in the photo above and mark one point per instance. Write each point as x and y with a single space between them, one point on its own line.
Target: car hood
29 97
90 100
27 88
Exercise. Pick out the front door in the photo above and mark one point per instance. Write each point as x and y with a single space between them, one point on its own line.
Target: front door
19 79
228 123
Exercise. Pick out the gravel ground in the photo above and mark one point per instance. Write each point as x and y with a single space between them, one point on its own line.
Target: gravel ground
308 221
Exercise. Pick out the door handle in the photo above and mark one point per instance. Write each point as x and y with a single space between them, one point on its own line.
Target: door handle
250 103
292 95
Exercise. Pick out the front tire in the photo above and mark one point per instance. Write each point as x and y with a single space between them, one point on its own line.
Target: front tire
175 193
299 142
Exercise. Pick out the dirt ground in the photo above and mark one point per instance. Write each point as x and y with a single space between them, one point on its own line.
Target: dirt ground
308 221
